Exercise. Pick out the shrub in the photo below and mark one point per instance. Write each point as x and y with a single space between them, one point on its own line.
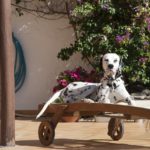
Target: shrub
103 26
77 74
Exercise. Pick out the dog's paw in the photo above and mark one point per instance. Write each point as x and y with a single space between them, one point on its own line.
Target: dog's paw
86 100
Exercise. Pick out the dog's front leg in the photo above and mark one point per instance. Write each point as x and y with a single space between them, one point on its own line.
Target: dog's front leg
121 93
87 100
130 101
103 94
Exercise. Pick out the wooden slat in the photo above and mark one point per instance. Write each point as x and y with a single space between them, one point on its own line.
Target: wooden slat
94 108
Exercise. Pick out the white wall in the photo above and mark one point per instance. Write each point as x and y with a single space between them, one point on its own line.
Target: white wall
41 41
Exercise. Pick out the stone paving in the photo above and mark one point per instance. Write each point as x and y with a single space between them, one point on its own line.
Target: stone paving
81 136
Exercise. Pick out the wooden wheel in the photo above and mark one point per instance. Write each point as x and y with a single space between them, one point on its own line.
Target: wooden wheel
115 129
46 133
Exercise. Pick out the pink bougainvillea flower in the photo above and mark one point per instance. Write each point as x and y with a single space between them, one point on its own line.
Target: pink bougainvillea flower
55 90
63 82
75 75
78 69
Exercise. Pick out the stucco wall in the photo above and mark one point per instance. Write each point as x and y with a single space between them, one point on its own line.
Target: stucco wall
41 41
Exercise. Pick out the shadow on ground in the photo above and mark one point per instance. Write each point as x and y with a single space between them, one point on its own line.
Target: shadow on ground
73 144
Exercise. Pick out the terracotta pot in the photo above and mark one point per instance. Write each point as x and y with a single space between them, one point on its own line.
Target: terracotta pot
74 118
70 119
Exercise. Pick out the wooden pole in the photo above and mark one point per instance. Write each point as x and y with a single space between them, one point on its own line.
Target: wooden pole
7 76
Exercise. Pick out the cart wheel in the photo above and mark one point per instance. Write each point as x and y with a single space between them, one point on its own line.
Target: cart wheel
46 133
115 129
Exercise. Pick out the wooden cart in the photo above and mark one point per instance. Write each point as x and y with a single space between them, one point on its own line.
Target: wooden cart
116 112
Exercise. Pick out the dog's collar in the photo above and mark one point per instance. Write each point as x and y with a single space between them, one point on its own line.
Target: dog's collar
110 81
107 77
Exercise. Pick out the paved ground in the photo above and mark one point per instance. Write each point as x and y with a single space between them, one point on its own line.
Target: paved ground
81 136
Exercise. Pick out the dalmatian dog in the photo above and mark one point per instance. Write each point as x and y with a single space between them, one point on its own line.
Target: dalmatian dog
110 90
112 86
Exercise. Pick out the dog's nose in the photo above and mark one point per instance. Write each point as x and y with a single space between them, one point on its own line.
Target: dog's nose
110 66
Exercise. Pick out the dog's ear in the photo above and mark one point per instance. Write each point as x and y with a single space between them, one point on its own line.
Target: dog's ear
101 60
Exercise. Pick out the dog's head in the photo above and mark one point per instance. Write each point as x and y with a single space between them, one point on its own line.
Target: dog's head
111 64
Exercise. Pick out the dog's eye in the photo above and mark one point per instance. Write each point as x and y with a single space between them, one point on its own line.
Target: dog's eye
115 60
106 60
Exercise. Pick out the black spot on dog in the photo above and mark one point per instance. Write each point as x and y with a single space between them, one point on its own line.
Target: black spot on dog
70 91
89 87
75 99
65 92
71 95
102 87
128 101
67 102
103 99
114 85
99 87
115 98
109 84
85 90
102 95
74 84
96 100
98 97
81 92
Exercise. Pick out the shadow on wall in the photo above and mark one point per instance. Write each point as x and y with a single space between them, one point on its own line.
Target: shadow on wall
41 41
